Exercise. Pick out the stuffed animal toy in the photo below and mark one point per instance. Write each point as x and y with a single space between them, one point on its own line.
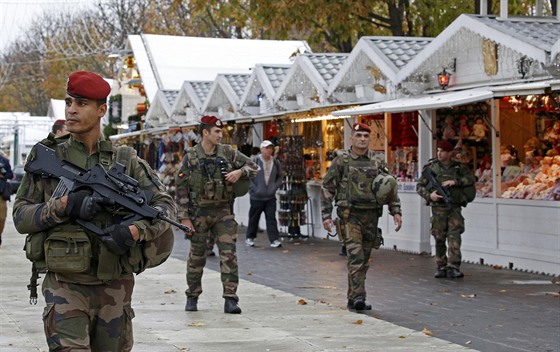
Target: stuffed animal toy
464 131
448 131
479 130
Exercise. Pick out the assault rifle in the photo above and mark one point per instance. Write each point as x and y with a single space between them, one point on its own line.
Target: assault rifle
114 185
433 184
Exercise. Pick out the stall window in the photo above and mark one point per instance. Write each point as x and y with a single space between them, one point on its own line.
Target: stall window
402 157
530 136
468 127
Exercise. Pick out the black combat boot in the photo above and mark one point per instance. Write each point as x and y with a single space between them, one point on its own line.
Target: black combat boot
231 307
440 273
454 273
191 305
359 304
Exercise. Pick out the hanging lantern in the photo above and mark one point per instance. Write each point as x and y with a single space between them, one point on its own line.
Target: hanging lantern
443 79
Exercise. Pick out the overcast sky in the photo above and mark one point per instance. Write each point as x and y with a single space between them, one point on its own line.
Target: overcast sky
17 15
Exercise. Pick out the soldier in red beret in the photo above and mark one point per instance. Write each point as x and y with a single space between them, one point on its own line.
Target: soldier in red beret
349 182
88 289
447 222
211 176
361 127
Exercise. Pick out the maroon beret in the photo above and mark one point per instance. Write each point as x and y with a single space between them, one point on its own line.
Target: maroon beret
444 145
59 122
361 127
211 120
89 85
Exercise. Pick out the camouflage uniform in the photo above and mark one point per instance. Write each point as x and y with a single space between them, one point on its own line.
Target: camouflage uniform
205 198
90 309
447 221
348 182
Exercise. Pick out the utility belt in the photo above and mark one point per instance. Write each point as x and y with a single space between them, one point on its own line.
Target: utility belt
343 229
69 249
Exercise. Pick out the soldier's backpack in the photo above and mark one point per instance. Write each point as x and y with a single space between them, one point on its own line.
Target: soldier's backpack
155 251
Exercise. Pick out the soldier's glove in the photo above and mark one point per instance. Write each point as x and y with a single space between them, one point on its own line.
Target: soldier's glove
119 240
82 205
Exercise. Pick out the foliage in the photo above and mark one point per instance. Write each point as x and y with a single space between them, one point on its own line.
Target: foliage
34 68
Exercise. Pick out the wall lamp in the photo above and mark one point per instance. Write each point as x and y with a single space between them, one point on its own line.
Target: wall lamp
260 97
444 76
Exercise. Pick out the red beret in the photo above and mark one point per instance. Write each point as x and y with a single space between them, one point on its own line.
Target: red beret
444 145
361 127
59 122
89 85
211 120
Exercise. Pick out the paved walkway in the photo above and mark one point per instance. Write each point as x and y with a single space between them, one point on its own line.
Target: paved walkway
272 320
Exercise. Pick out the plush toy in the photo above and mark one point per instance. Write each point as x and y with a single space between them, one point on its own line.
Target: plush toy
479 130
464 131
448 131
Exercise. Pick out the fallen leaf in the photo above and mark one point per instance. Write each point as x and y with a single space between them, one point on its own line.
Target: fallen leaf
502 309
426 332
402 337
433 304
302 302
358 322
473 295
249 273
503 290
169 291
286 251
197 324
497 267
297 244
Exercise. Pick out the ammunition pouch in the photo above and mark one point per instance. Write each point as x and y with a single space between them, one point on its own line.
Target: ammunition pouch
342 230
378 239
108 265
35 249
68 252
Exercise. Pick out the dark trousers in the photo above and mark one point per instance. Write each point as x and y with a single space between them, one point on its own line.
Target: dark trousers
269 208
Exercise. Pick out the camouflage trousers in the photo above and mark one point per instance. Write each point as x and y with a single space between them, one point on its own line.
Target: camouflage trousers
447 226
216 225
360 227
3 214
88 317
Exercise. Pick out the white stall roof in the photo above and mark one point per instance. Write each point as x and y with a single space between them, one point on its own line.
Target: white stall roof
424 102
165 62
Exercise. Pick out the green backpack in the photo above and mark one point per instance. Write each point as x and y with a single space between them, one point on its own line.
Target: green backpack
157 250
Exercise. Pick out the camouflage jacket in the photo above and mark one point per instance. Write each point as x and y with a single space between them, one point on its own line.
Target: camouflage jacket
36 211
350 189
457 171
200 181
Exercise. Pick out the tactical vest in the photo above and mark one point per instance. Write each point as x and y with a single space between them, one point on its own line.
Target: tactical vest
460 195
355 187
69 249
206 178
